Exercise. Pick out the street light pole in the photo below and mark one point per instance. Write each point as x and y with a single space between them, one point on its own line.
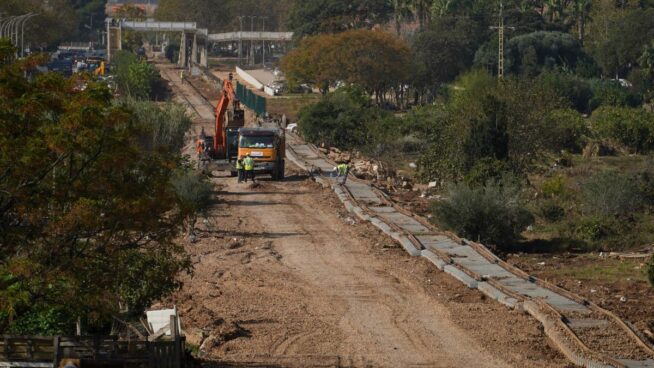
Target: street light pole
22 34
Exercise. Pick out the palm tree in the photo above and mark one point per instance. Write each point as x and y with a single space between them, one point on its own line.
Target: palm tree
581 10
421 10
401 12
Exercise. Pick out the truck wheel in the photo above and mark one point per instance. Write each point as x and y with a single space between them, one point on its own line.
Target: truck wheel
280 172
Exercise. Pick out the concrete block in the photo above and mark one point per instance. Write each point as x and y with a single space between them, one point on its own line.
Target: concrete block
433 258
461 276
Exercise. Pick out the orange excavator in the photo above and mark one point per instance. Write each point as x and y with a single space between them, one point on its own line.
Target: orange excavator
229 119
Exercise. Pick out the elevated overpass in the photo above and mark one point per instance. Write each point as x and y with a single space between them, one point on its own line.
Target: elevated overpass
194 40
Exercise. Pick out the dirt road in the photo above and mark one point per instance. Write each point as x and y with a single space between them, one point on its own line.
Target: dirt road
284 277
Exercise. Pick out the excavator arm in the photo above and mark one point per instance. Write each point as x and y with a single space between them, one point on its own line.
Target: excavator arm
220 138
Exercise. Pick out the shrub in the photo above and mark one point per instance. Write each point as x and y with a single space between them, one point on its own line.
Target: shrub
611 93
591 229
340 119
551 211
610 193
485 171
567 130
193 193
492 213
633 128
576 90
554 186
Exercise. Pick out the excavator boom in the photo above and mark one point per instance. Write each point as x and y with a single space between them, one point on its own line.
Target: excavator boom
220 136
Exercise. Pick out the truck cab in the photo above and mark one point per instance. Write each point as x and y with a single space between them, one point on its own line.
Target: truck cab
267 146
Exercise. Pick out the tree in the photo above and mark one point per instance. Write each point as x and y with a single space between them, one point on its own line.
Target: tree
204 12
374 60
581 11
533 53
619 50
56 20
330 16
632 128
444 50
80 199
134 77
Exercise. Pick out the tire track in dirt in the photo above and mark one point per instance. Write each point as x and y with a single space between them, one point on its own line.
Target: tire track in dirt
384 322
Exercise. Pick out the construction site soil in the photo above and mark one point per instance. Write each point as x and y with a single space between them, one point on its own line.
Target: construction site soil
285 277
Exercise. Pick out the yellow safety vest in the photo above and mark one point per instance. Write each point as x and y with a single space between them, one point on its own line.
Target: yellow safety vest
248 162
342 169
238 165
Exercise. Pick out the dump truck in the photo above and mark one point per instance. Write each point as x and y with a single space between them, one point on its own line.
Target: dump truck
267 146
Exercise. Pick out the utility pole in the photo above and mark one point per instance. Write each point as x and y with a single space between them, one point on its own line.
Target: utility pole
500 54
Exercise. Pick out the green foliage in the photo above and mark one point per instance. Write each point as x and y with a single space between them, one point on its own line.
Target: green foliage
340 119
373 60
611 93
568 130
592 229
486 170
166 124
492 213
551 211
444 50
80 199
331 16
193 192
135 77
533 53
574 89
204 13
554 187
609 193
631 127
45 319
622 42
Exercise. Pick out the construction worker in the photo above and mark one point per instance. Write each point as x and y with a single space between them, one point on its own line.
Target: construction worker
248 166
200 148
239 169
343 169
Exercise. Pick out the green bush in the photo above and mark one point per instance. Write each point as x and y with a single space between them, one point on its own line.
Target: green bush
485 171
554 186
631 127
551 211
493 213
611 93
609 193
592 229
576 90
342 119
567 130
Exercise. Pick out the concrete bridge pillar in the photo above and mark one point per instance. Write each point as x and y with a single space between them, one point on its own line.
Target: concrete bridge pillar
204 60
183 58
194 50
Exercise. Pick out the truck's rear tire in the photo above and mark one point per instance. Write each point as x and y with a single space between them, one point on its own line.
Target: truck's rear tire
280 171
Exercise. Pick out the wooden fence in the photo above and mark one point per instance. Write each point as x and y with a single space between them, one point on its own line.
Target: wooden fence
35 351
